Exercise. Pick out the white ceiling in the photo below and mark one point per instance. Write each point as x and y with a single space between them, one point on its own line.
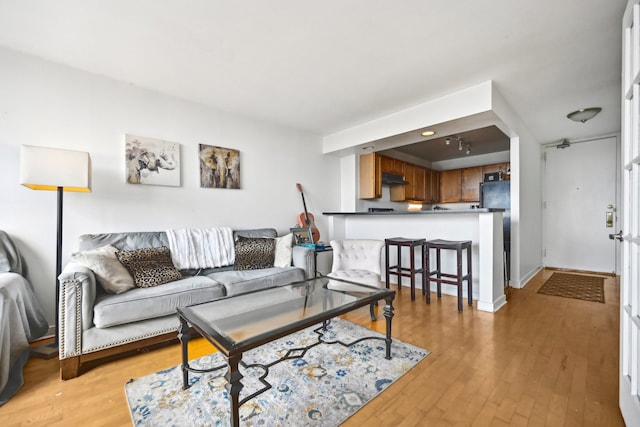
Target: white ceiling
324 66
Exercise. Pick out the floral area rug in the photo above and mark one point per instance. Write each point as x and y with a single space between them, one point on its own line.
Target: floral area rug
323 387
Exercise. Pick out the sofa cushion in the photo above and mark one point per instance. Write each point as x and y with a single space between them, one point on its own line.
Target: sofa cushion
149 266
237 282
148 303
254 253
111 274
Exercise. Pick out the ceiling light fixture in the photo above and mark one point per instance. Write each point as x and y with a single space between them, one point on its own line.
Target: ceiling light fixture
584 114
468 149
368 147
428 133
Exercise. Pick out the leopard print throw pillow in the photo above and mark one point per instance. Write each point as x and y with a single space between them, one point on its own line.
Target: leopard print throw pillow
149 266
254 253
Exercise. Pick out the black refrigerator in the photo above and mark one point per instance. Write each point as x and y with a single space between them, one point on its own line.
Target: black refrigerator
497 195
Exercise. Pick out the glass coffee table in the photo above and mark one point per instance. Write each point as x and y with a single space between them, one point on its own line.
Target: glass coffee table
240 323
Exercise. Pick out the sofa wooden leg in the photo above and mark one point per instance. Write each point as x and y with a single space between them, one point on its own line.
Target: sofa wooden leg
70 368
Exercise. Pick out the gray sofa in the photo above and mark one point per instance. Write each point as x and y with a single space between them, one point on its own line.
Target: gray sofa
95 325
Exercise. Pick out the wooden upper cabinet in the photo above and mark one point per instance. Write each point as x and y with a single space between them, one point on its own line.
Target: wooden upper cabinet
424 185
470 188
370 176
391 165
450 185
495 167
435 186
402 193
419 176
415 190
431 186
387 164
409 176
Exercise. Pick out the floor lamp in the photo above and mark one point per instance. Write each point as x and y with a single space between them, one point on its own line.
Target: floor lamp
52 169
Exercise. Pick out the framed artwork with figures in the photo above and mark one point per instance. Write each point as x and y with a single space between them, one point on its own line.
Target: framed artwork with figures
152 161
219 167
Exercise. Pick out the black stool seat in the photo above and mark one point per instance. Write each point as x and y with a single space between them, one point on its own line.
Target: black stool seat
451 279
410 271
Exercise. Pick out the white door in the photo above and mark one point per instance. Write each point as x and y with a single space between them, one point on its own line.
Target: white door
630 272
580 205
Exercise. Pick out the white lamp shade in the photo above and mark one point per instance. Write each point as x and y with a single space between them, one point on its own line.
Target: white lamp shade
43 168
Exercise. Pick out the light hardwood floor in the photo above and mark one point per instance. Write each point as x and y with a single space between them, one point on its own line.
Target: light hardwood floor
541 360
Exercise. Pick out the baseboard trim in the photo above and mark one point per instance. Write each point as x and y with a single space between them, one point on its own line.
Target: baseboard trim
593 273
527 277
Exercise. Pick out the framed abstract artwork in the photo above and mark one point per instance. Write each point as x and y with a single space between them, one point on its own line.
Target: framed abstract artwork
152 161
219 167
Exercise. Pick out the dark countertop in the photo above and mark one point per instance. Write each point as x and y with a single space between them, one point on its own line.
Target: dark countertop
435 212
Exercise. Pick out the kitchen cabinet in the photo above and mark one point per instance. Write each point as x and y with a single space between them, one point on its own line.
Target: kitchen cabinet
496 167
435 187
391 165
424 185
450 185
415 190
470 184
463 185
420 191
431 186
370 176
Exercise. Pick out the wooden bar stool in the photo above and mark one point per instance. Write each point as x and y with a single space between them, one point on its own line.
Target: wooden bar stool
410 271
441 277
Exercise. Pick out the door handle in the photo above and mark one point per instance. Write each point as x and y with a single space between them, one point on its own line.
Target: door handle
617 236
609 219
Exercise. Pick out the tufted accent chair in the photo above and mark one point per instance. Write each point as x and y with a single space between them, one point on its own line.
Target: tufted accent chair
358 260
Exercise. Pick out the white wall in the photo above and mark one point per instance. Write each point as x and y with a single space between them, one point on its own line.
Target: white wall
526 200
45 104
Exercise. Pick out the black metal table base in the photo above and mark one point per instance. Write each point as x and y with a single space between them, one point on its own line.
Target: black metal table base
234 377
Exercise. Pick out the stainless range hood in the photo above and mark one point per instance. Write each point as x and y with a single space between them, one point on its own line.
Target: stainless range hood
392 179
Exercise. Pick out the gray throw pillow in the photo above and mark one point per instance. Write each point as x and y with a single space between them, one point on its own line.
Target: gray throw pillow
149 266
110 273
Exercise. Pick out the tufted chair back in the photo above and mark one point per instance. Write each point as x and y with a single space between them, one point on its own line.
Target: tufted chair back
357 260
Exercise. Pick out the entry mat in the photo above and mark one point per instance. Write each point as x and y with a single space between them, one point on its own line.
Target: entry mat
587 288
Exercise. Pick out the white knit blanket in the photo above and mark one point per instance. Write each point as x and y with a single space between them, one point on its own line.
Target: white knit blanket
201 248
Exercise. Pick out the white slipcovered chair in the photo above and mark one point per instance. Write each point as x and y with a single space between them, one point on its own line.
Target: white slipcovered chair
358 260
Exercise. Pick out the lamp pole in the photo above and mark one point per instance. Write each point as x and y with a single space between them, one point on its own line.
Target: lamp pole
58 263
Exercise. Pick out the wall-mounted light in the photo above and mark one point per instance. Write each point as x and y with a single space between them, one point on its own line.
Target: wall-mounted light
468 149
447 141
459 144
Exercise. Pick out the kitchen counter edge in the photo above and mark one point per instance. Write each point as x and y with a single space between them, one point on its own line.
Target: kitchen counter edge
434 212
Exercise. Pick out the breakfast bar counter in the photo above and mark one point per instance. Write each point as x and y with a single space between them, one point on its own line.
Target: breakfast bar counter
482 226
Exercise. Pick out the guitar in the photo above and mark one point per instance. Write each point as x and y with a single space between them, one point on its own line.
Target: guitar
305 219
